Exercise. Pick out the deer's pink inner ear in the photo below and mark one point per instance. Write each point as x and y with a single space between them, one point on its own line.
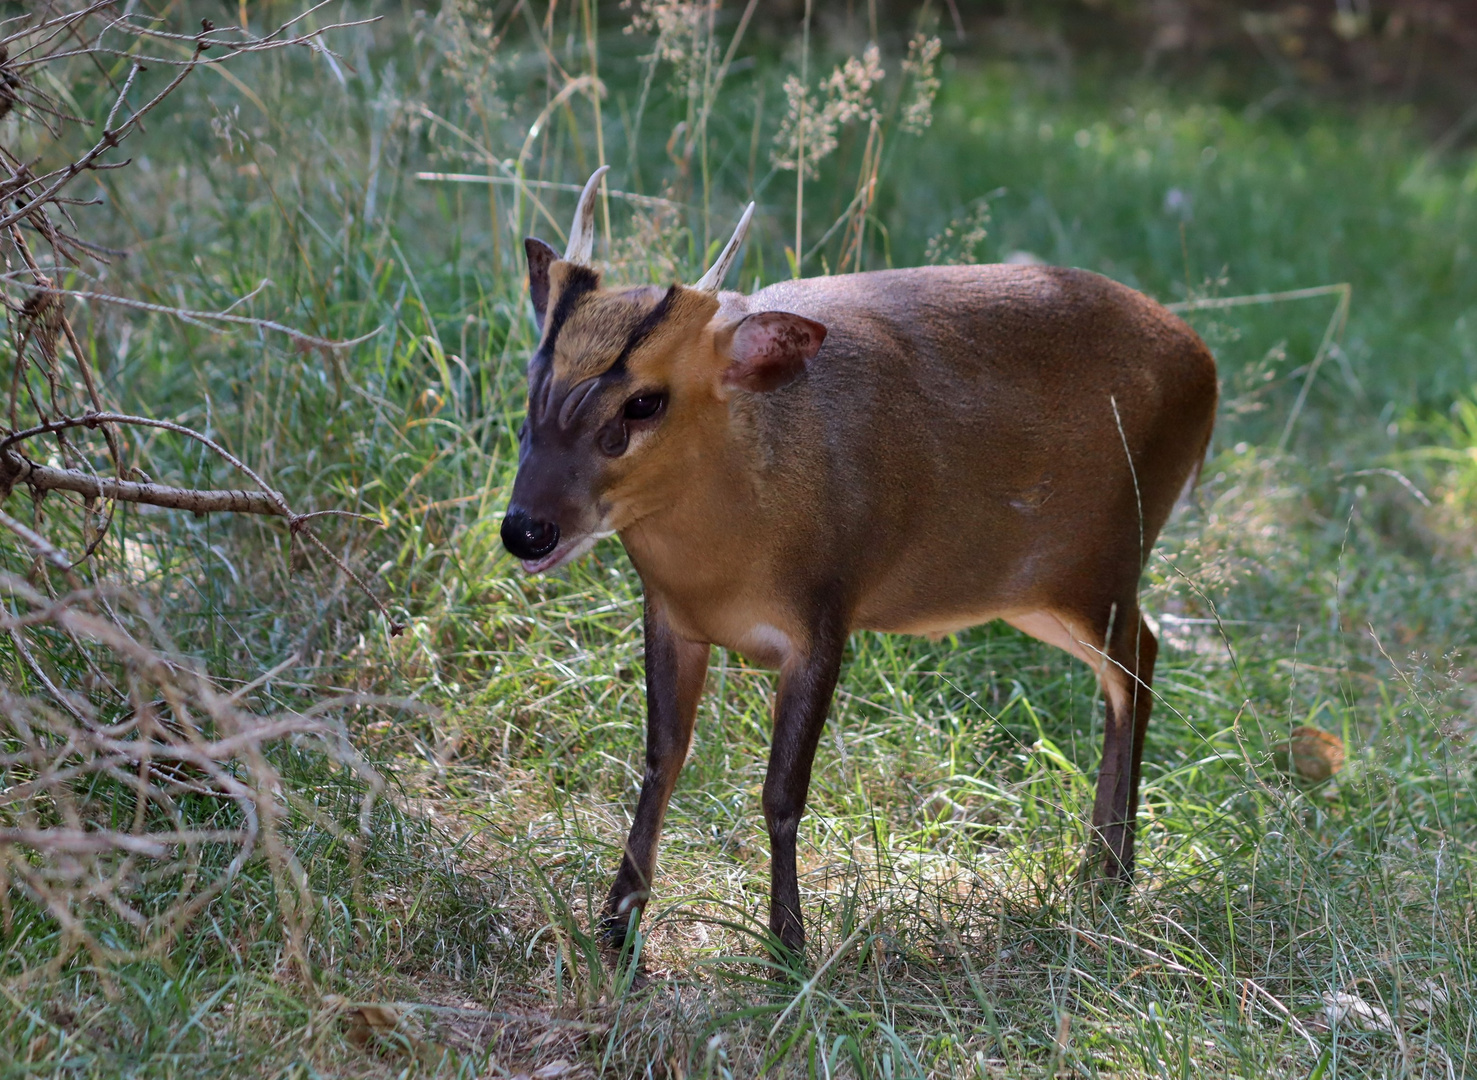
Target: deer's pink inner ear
770 349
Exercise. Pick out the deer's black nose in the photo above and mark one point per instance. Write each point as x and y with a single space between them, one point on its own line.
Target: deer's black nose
527 537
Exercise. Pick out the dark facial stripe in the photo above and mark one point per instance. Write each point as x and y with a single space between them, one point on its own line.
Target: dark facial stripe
644 329
578 281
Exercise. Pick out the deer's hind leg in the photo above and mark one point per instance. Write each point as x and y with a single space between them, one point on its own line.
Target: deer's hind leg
1120 647
1127 678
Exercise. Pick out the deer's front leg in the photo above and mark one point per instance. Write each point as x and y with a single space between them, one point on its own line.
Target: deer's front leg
675 671
806 684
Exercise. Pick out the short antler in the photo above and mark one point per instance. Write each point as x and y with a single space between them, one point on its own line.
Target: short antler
582 232
712 281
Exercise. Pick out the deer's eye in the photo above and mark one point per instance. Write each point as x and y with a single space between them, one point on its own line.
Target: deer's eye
645 406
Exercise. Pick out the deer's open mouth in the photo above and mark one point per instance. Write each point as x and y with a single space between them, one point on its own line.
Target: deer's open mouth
566 552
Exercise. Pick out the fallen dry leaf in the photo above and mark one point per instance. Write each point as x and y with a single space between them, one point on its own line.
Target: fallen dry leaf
367 1020
1314 754
1351 1012
1431 994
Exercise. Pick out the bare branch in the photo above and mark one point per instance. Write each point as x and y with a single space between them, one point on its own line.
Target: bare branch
92 420
70 851
233 48
122 95
63 21
111 137
77 842
15 469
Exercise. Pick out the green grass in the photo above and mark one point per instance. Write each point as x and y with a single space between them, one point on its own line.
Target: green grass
947 934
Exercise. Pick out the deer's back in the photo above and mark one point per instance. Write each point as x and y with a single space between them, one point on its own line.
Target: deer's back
964 435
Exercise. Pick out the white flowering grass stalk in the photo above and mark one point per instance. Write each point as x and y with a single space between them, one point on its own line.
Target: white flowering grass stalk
921 67
808 133
815 117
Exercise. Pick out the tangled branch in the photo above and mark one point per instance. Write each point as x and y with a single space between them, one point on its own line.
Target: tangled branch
93 785
133 789
43 340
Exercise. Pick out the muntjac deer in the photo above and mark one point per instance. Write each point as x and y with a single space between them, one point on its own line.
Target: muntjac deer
916 451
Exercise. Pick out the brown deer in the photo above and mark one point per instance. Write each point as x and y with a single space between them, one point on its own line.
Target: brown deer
916 451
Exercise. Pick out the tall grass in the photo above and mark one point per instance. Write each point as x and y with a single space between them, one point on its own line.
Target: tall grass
1306 584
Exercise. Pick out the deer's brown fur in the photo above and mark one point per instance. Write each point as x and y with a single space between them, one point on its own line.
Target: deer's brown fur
968 444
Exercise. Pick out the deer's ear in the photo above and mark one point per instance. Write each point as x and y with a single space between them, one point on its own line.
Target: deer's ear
540 257
769 350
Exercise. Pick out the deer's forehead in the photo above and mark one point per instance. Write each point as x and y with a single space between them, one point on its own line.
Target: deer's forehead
602 329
